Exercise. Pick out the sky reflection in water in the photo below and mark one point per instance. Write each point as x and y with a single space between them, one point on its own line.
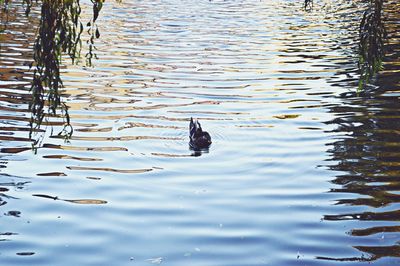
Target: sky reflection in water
301 170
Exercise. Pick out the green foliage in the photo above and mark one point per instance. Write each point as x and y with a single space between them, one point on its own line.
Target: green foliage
59 34
371 46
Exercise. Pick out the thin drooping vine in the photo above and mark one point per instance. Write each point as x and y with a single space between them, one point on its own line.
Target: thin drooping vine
93 31
371 46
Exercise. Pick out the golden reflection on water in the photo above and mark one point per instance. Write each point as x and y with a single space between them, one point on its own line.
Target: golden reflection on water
80 148
67 157
122 171
76 201
123 138
167 155
51 174
138 124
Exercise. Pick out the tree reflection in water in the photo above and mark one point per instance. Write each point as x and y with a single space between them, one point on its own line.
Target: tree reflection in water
369 153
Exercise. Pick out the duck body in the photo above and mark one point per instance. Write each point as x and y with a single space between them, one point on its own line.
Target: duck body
199 139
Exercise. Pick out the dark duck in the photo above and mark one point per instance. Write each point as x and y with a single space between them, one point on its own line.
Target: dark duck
199 139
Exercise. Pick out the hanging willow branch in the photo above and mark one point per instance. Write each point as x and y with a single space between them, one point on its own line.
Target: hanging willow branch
371 47
59 34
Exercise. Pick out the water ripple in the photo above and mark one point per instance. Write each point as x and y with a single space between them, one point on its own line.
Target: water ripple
296 158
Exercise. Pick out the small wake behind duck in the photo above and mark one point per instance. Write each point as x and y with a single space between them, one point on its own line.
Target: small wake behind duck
199 139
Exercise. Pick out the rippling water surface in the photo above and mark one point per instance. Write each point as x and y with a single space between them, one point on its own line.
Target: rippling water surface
302 171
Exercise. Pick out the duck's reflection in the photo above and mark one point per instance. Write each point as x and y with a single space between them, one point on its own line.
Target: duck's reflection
198 152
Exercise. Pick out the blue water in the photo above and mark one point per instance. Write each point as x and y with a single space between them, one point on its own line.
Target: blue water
268 80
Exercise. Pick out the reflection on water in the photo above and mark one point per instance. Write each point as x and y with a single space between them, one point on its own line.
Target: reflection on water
78 201
272 83
368 156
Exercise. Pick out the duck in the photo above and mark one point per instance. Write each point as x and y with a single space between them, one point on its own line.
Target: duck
199 139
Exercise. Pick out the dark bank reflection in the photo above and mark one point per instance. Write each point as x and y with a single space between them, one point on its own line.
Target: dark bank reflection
6 185
16 36
367 154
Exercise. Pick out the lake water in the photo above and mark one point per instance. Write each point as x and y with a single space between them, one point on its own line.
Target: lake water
301 171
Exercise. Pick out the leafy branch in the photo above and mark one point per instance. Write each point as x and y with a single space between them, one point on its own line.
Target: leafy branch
59 34
371 47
